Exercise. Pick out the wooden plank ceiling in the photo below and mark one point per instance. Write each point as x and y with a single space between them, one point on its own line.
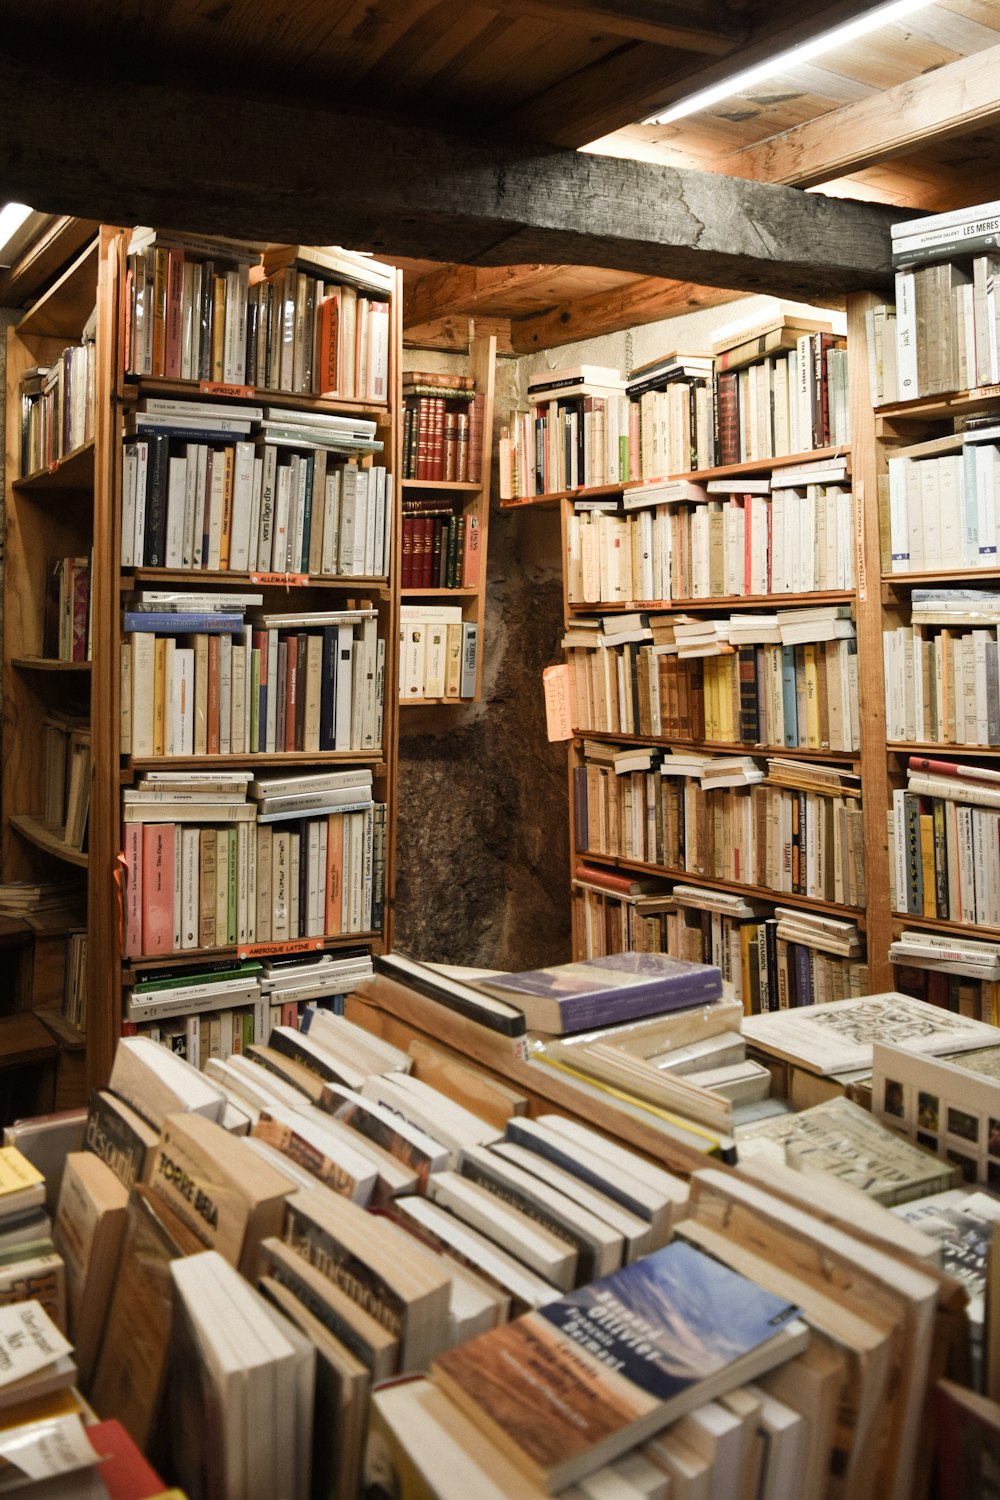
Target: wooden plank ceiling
576 74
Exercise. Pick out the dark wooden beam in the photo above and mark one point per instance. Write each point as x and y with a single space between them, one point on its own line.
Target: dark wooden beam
629 306
692 25
146 154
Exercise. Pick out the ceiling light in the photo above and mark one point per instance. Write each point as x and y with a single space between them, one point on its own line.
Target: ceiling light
880 15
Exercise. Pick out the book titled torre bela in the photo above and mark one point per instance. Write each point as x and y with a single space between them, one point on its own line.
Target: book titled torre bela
599 991
567 1388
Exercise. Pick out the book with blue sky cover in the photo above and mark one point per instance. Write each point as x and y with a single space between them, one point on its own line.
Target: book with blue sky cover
570 1386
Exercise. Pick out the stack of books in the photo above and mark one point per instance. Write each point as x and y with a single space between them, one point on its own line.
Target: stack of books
943 824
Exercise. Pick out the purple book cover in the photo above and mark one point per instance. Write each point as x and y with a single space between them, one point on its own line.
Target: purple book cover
616 987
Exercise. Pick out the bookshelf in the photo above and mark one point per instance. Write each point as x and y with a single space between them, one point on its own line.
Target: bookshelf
316 612
442 623
625 863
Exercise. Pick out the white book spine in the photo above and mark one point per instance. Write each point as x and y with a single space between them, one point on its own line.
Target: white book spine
200 502
176 489
239 540
906 335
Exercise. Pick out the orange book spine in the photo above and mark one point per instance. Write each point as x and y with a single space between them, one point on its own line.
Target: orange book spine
472 555
157 887
334 873
227 507
213 694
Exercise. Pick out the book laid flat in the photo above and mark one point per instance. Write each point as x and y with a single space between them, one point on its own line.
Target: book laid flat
570 1386
596 991
838 1036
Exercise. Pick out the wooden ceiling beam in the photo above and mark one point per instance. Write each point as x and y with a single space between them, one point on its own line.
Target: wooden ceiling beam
286 173
630 306
691 25
955 99
453 334
462 289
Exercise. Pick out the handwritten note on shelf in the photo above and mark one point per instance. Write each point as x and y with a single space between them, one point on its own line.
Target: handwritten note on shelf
557 684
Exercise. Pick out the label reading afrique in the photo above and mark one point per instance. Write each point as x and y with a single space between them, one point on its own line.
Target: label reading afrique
216 388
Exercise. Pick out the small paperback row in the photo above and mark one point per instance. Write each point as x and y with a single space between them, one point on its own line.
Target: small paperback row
945 836
769 960
302 319
800 833
208 683
217 500
785 403
211 871
801 696
957 973
942 685
944 511
440 546
68 614
438 652
57 409
679 542
442 434
66 804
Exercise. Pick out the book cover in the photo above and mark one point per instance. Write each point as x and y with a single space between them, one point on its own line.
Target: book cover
570 1386
615 987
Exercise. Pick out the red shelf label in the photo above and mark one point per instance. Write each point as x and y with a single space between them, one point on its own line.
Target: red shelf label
216 388
263 950
291 580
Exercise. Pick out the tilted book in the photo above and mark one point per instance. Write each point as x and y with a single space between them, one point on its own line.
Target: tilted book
569 1386
596 991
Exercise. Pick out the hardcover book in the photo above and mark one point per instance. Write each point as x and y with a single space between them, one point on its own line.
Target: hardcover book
571 1385
616 987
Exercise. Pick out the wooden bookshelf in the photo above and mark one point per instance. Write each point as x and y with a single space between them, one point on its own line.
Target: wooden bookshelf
474 496
47 840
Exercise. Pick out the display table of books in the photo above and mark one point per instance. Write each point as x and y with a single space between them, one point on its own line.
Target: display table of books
334 1265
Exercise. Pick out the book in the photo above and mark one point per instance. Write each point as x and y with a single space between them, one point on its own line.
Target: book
616 987
156 1082
88 1232
35 1358
22 1186
572 1385
119 1136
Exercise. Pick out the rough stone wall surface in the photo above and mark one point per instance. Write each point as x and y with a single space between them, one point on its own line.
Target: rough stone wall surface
481 851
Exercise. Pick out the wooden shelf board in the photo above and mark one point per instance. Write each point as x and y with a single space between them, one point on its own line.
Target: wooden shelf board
727 747
62 310
157 385
443 702
71 1038
940 752
463 593
205 575
694 476
453 486
908 920
940 407
722 601
760 892
73 471
49 664
35 831
947 579
245 762
188 956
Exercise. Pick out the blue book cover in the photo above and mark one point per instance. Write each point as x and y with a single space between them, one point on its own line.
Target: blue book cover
178 623
789 697
597 991
571 1385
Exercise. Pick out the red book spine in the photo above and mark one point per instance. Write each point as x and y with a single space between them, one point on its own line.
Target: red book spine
406 560
328 374
425 424
133 888
291 692
437 440
450 446
729 418
157 887
426 551
474 427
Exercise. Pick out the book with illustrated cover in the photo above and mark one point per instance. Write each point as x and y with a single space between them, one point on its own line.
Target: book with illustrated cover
595 991
570 1386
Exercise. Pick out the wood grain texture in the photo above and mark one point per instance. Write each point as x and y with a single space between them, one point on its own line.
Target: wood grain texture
628 306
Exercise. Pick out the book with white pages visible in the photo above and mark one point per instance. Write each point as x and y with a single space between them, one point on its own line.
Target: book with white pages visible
548 1254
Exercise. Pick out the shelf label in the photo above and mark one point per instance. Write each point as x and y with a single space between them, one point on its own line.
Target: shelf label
859 539
265 950
286 580
558 702
216 388
990 391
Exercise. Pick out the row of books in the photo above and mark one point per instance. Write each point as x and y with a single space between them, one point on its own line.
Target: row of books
679 542
211 869
66 787
943 511
780 391
798 833
957 973
229 504
74 997
945 838
217 311
440 547
946 326
68 634
438 652
442 433
209 684
800 696
57 408
942 686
